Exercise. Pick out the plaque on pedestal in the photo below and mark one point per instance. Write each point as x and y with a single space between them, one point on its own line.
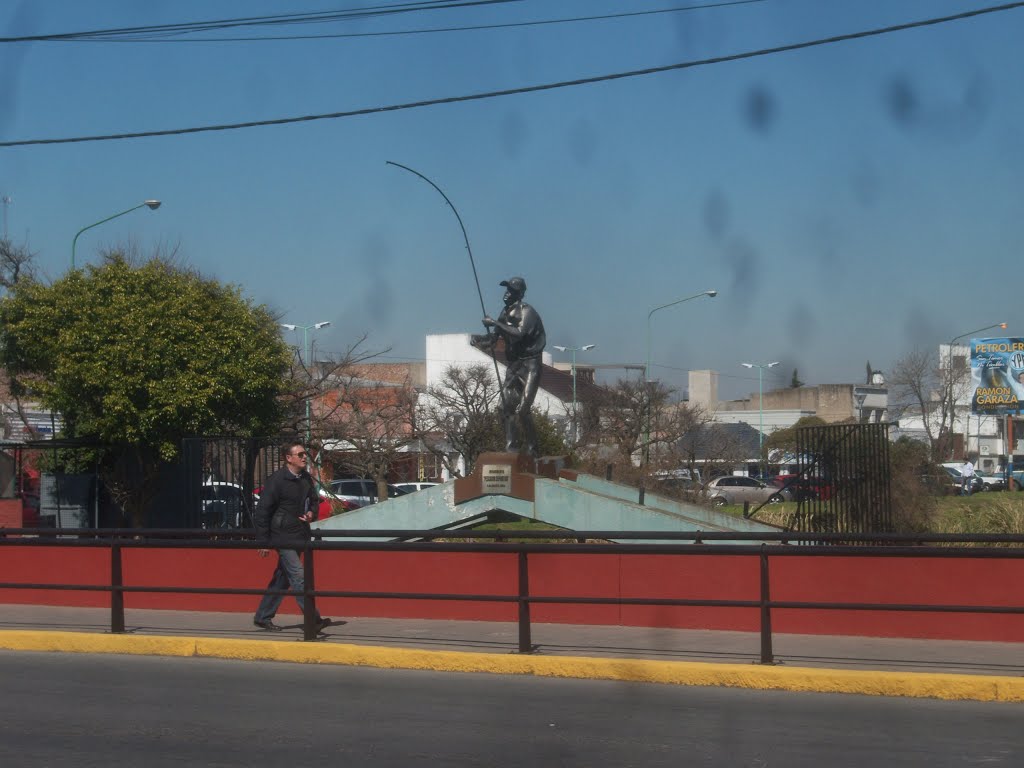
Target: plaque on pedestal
496 478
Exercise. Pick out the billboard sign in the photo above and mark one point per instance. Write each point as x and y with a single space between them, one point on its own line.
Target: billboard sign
997 375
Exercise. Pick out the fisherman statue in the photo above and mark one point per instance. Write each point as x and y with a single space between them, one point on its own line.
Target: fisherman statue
520 327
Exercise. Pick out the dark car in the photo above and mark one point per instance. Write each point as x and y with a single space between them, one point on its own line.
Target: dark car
804 488
956 480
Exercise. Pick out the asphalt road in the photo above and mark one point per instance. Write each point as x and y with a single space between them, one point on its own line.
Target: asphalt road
94 710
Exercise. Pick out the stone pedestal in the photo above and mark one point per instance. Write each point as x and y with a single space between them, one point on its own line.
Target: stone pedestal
507 474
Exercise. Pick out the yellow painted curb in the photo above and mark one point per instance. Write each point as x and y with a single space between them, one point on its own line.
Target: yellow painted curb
871 683
85 642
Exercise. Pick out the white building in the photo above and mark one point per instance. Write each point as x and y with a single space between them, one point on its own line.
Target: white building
444 351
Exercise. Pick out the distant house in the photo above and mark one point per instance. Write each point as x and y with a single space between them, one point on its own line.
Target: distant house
782 407
720 448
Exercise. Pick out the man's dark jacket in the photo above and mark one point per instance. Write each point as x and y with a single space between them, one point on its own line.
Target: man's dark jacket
283 500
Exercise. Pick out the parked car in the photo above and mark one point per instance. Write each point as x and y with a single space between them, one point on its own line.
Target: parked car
413 487
680 483
362 491
954 472
736 489
804 488
684 474
1018 479
330 504
992 481
222 504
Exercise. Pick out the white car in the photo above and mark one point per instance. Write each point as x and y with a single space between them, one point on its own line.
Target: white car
222 504
413 487
362 491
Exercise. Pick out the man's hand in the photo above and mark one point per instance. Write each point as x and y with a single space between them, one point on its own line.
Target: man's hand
488 321
307 517
262 552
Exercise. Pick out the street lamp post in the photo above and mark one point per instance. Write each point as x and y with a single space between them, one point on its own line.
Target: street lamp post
647 367
151 204
306 354
574 350
760 408
950 376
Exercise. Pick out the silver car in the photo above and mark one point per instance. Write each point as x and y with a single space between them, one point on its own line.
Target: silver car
362 492
736 489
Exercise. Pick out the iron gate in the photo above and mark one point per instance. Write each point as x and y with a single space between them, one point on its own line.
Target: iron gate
220 476
845 468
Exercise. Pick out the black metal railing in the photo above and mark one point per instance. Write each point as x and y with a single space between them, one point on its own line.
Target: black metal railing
767 547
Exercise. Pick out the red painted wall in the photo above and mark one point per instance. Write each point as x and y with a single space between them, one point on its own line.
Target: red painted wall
982 581
11 513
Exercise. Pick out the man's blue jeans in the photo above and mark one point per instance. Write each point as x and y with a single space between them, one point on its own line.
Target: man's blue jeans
287 575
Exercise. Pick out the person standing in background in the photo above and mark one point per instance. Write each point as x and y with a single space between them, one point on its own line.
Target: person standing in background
967 477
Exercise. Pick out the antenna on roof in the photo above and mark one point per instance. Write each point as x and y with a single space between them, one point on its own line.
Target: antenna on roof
6 200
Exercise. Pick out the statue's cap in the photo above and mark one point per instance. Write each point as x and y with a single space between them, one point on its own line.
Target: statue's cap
516 284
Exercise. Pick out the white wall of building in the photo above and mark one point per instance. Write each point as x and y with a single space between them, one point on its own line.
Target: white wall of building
454 349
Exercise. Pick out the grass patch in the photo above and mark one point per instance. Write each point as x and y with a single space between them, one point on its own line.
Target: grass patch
989 512
982 513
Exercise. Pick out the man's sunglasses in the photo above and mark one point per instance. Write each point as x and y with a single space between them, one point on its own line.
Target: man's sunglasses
300 454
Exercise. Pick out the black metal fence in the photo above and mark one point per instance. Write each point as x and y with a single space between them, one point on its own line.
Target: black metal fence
220 476
770 546
211 486
845 468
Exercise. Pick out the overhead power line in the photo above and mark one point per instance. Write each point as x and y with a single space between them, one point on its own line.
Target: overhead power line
531 88
254 21
402 32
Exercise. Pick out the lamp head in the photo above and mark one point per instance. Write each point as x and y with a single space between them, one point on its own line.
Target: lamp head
587 347
711 294
152 204
559 348
324 324
747 365
772 365
288 326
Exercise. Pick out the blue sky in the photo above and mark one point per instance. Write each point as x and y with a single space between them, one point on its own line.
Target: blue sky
849 201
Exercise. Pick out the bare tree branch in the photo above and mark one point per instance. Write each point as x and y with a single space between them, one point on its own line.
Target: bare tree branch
459 417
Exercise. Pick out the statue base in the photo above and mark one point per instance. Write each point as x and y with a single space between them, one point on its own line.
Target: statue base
507 474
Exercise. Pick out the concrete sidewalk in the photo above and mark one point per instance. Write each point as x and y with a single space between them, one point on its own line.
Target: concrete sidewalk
935 668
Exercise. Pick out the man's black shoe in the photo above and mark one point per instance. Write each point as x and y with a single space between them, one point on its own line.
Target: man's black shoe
323 623
268 625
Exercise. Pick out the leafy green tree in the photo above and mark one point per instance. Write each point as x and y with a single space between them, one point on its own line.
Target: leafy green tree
914 481
550 436
795 383
136 357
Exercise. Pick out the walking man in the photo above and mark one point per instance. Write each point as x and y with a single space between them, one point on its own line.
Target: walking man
287 504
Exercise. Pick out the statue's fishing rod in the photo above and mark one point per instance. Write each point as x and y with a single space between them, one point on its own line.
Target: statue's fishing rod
472 263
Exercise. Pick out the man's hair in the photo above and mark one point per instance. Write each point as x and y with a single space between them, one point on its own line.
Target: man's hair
286 449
